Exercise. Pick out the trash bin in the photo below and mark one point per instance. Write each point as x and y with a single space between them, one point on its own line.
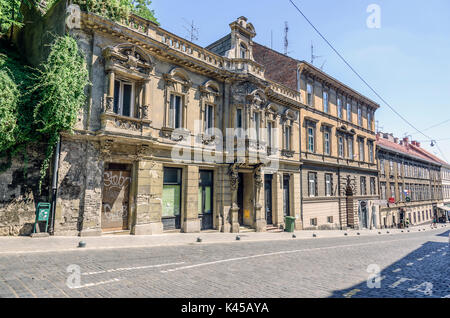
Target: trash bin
290 224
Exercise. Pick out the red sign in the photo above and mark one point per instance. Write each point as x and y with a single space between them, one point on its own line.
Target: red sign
391 200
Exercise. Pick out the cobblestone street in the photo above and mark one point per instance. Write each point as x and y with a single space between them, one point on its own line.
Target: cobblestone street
412 265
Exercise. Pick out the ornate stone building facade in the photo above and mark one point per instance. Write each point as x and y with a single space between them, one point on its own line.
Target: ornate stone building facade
177 137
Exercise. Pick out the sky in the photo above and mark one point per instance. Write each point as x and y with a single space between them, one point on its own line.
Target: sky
406 60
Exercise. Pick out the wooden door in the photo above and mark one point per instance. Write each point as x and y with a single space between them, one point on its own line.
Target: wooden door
115 200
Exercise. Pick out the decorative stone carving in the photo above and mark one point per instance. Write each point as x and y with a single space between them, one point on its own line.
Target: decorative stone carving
174 134
108 105
128 57
233 172
287 153
106 147
127 124
144 111
258 177
142 151
207 139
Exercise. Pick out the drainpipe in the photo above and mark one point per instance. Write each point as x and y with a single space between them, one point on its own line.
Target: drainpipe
51 229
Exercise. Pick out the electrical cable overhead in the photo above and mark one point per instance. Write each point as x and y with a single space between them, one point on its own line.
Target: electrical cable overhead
437 125
361 78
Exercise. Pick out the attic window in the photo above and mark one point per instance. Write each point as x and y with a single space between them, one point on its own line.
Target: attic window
243 51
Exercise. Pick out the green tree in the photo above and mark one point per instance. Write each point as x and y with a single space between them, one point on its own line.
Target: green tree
10 13
142 9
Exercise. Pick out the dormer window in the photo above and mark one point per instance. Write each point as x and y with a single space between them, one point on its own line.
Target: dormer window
243 51
309 94
124 98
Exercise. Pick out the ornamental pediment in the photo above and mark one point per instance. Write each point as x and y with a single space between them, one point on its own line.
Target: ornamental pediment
128 58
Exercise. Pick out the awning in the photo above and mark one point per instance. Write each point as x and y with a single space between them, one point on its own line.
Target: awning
445 208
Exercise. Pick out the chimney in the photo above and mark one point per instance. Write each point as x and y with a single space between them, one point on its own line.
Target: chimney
396 140
418 144
414 143
406 140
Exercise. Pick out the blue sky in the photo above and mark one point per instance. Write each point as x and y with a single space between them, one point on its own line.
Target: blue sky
407 60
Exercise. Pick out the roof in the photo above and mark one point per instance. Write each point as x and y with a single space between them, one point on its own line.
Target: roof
409 150
279 67
282 69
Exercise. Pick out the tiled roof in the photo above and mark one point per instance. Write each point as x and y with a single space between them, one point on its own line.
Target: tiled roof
279 68
408 150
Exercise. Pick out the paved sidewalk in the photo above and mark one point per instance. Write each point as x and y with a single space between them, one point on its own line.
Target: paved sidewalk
19 245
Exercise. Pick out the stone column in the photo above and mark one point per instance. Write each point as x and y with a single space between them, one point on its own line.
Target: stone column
149 198
234 211
109 103
260 220
223 195
296 200
190 220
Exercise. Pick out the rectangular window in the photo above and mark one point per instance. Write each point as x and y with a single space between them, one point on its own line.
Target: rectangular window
369 119
330 219
175 111
371 156
361 150
312 184
392 188
209 118
350 148
313 222
270 134
341 146
372 187
399 169
349 112
401 193
382 166
123 98
325 102
359 116
339 107
383 190
311 147
326 137
287 137
171 193
238 124
309 93
363 186
257 122
328 185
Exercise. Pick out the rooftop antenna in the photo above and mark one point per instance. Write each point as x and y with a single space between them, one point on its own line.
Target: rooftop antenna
286 42
192 30
378 128
314 57
271 39
323 64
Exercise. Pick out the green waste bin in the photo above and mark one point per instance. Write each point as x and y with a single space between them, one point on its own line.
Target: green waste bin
290 224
